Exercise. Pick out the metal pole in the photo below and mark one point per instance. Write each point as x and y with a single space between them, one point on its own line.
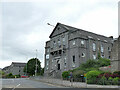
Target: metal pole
26 67
36 64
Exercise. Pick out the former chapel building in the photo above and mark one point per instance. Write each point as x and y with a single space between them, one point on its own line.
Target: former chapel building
68 47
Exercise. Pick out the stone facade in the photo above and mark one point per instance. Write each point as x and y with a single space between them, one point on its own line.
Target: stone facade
15 68
115 61
68 47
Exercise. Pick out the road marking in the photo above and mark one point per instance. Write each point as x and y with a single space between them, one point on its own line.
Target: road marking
16 86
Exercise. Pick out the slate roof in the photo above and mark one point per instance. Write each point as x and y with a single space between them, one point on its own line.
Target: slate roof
72 29
17 64
5 67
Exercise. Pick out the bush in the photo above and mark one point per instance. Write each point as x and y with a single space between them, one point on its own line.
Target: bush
65 75
116 81
17 76
103 62
78 75
89 63
90 69
91 76
102 81
110 81
116 72
114 75
10 75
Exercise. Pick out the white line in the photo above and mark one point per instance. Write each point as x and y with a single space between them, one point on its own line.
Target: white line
16 86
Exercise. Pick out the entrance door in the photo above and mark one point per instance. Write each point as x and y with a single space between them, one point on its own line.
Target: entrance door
58 65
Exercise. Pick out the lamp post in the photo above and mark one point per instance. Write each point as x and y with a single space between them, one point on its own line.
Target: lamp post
26 66
36 64
50 24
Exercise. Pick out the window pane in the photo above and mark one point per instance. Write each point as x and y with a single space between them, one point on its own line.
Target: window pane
47 56
94 46
74 42
83 54
82 42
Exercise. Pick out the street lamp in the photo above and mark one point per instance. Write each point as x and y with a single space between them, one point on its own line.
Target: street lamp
50 24
36 64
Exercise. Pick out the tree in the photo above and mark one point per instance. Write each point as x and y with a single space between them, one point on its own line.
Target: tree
99 56
31 66
42 71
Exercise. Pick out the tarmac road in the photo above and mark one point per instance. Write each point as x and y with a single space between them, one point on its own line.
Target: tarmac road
26 83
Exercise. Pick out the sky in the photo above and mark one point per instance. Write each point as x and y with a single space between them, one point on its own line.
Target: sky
24 24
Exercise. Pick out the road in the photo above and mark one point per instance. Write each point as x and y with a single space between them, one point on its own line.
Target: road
15 84
26 83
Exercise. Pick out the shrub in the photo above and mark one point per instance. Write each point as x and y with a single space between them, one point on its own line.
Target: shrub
65 74
90 63
17 76
114 75
110 80
116 81
102 81
91 76
116 72
90 69
106 74
78 75
103 62
10 75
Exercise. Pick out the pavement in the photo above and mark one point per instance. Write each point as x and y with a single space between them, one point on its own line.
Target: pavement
73 84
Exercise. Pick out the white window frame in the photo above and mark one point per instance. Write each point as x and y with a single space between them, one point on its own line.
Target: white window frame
94 47
73 64
83 55
102 56
82 42
59 43
65 61
47 62
63 39
73 42
54 44
102 48
94 56
47 67
47 56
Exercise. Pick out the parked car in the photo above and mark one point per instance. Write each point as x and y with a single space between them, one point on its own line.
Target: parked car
24 76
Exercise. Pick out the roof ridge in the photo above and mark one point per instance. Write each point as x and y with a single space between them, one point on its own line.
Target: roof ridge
84 30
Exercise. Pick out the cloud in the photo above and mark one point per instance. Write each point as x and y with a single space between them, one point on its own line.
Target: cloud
102 20
25 26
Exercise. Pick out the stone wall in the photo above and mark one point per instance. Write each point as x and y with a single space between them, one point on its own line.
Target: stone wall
115 62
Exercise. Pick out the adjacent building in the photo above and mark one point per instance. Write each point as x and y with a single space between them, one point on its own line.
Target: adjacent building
115 61
68 47
16 68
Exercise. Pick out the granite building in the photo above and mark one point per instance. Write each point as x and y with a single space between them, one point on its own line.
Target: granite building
16 68
68 47
115 61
